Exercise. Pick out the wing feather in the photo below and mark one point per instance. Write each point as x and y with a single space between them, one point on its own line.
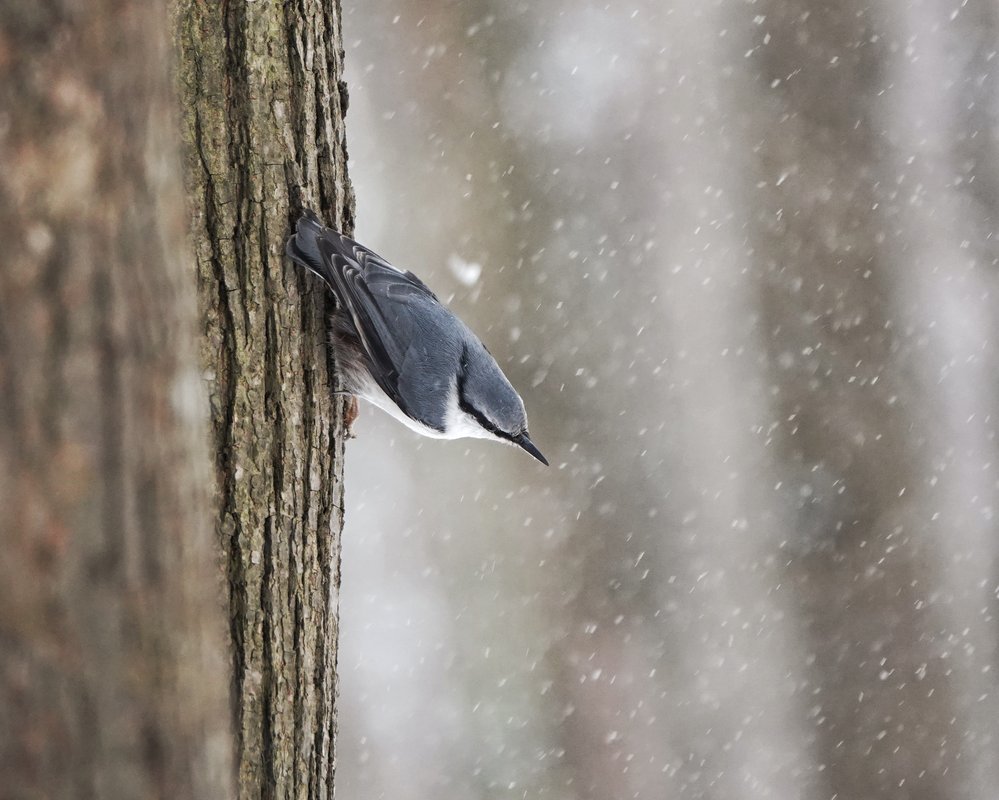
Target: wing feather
385 304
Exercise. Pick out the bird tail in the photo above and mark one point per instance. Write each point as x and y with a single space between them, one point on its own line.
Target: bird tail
303 245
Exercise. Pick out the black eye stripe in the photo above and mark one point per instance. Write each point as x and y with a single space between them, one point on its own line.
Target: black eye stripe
471 410
481 419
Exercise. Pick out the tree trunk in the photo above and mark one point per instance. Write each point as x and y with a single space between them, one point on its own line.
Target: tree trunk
111 629
264 108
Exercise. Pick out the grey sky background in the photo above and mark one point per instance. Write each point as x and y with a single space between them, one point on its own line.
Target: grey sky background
739 259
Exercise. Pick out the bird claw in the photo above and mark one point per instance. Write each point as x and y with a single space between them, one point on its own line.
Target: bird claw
350 415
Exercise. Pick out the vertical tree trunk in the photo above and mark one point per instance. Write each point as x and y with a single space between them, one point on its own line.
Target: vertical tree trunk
111 628
264 109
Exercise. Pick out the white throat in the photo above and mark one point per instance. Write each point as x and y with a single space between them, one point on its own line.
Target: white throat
458 424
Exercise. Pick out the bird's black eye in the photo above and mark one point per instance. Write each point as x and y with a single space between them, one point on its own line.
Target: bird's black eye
481 418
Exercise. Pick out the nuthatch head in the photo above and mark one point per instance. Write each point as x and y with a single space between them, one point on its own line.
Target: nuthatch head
399 348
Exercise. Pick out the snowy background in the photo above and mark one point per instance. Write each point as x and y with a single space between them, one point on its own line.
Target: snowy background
738 257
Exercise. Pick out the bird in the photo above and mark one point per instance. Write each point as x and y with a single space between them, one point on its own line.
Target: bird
398 347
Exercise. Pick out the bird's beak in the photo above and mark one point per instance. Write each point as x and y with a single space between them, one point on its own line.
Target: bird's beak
524 441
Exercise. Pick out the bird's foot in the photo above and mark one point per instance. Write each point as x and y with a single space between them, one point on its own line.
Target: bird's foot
350 415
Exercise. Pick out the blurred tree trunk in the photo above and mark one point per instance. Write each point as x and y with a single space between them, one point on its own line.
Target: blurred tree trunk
880 327
264 101
111 629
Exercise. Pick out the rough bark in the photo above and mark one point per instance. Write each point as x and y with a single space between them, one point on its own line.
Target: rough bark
264 103
112 639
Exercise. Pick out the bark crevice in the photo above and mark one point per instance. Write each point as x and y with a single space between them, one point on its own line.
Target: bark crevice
264 139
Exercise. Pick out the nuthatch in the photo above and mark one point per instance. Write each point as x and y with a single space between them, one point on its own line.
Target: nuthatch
399 348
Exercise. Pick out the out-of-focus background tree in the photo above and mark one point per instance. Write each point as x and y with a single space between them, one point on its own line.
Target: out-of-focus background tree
739 257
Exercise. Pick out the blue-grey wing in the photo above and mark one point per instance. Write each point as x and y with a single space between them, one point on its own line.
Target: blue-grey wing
401 325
